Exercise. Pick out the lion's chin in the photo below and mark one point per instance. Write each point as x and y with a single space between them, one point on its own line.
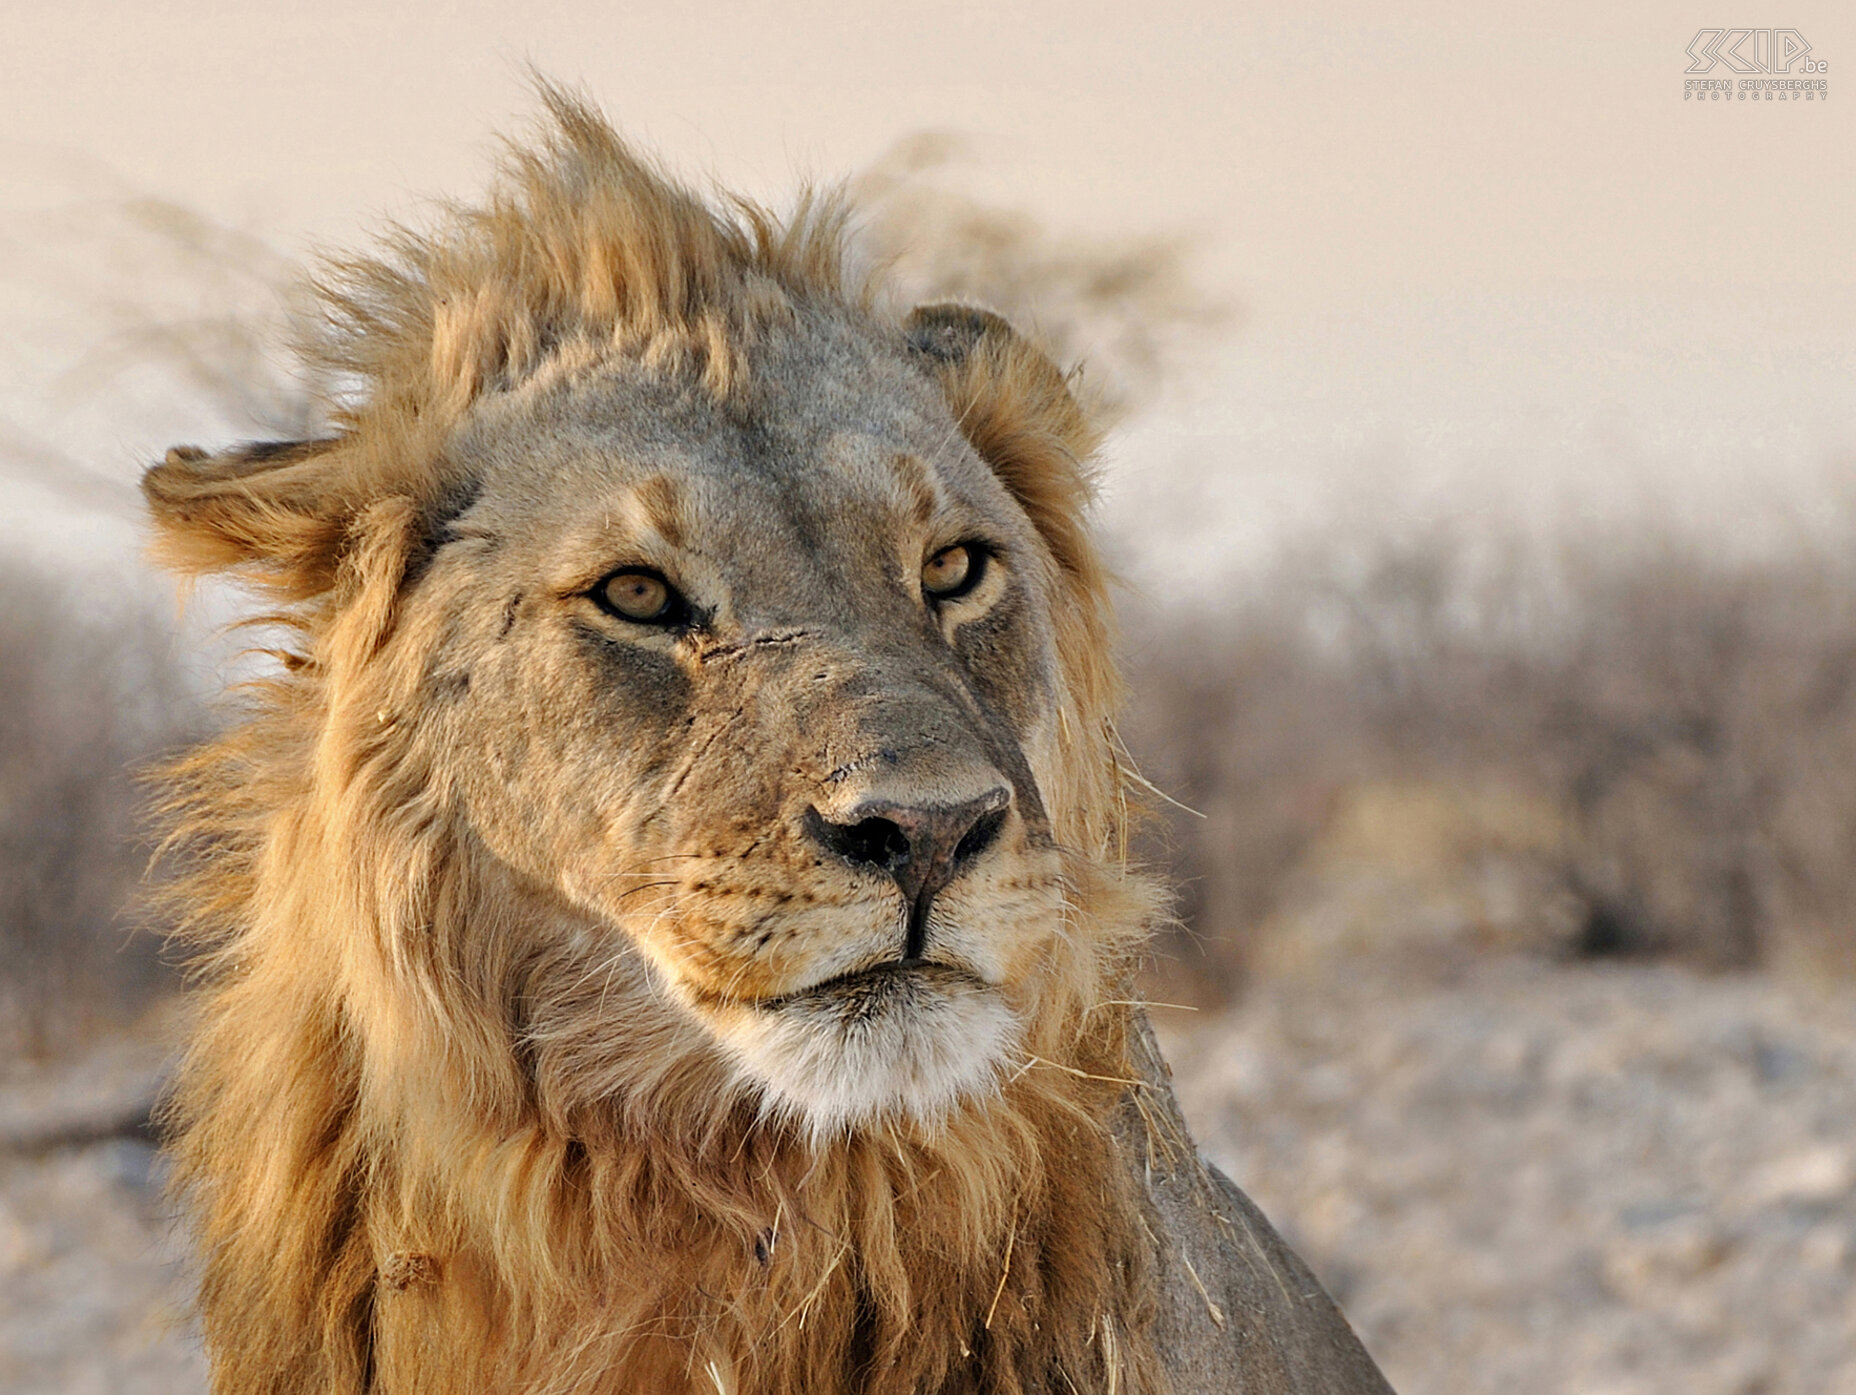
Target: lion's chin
868 1048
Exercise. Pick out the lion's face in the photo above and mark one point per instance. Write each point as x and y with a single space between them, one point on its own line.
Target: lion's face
764 693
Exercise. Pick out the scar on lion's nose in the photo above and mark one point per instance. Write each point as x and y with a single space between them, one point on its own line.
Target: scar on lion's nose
922 847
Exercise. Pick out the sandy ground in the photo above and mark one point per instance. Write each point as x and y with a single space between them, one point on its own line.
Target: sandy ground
1523 1178
93 1292
1536 1178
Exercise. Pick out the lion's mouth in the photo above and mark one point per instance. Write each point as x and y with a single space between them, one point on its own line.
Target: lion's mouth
882 986
900 1037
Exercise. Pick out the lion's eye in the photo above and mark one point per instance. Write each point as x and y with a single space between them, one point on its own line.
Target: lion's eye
953 571
640 596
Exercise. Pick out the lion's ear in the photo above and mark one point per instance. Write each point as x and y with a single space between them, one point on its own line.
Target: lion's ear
278 509
949 332
1018 413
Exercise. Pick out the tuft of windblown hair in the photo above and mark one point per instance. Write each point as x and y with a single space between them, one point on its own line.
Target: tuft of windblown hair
583 243
387 1136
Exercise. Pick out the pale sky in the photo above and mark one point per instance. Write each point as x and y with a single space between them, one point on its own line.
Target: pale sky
1329 143
1472 243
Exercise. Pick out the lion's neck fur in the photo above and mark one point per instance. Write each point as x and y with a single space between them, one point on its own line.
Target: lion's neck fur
405 1183
744 1263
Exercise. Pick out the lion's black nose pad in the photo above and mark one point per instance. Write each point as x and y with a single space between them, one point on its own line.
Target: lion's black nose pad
923 847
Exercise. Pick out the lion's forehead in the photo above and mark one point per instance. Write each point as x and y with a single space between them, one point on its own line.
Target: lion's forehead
822 487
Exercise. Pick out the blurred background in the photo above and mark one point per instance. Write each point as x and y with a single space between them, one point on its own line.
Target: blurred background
1485 493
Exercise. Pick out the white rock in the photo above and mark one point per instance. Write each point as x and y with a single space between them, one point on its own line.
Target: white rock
1822 1173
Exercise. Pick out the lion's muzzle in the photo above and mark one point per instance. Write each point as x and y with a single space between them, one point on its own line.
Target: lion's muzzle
922 847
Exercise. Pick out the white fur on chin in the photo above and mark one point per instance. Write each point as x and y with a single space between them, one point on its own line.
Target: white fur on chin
833 1066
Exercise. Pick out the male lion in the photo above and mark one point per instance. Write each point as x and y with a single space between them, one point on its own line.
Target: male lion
662 926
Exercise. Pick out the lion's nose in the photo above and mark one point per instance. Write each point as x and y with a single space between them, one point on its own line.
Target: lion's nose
923 847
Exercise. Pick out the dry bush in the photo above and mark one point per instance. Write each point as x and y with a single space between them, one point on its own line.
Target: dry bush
1703 728
1687 722
1251 735
1126 311
83 698
181 310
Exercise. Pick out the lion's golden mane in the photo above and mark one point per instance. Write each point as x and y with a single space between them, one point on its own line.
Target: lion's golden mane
403 1172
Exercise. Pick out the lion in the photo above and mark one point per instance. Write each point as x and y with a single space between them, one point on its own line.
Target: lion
663 925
